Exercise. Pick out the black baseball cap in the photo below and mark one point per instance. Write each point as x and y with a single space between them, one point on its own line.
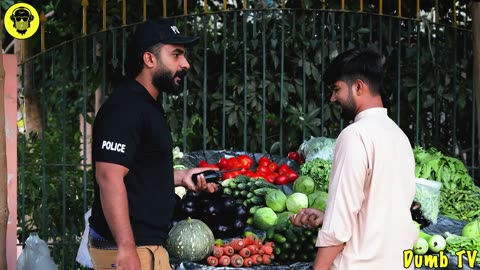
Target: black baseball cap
155 31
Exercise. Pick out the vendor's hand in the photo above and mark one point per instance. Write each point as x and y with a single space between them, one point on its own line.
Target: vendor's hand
201 182
307 217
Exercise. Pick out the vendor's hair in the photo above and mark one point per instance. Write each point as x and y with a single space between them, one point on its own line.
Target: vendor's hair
353 64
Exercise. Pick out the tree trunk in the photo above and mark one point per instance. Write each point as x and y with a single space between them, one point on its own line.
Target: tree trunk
3 165
475 8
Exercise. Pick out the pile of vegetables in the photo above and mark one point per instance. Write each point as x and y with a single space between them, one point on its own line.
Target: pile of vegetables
469 240
270 171
241 252
223 215
292 243
434 165
459 196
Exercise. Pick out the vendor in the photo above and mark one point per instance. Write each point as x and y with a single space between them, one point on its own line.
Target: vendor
367 222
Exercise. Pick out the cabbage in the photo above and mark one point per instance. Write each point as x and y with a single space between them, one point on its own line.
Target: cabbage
276 199
264 218
318 147
296 201
472 229
318 200
304 184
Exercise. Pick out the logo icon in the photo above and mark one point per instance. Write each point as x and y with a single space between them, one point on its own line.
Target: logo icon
21 20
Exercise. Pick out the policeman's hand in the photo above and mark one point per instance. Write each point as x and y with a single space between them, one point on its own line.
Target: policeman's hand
127 259
308 217
201 182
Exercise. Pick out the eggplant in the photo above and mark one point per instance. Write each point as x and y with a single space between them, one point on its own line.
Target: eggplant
241 211
227 203
222 231
211 209
239 225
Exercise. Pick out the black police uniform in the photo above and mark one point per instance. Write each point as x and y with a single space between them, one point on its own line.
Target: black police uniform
131 130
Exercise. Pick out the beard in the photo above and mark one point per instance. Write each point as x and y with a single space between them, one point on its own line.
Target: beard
166 82
348 108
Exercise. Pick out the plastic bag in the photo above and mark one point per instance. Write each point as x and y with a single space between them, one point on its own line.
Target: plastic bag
35 255
428 195
318 147
83 256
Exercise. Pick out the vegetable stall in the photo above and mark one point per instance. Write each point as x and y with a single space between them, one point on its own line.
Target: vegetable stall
245 224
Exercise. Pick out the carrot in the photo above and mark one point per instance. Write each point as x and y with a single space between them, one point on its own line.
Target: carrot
236 260
267 249
237 244
217 251
212 261
247 261
228 250
244 252
250 239
266 259
224 260
257 259
253 249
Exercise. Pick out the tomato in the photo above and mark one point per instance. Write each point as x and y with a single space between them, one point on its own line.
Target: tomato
245 160
223 163
293 156
205 164
263 169
282 179
233 163
292 175
273 166
249 173
228 175
264 161
202 163
283 168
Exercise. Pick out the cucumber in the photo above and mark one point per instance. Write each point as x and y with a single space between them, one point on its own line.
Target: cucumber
256 200
250 195
262 191
253 209
263 183
285 246
227 191
291 237
242 178
226 182
241 186
278 238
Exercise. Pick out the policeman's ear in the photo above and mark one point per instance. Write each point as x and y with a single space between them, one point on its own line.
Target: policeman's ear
149 59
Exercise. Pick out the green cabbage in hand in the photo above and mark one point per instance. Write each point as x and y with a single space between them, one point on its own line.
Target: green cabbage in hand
297 201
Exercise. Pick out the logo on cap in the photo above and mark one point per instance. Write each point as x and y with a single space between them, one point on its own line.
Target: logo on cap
174 29
21 21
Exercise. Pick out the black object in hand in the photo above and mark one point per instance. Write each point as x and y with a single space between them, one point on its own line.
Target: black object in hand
210 176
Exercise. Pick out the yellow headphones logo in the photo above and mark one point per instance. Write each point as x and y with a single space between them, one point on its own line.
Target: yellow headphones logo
21 21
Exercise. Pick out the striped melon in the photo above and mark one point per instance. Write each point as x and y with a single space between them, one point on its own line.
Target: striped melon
190 240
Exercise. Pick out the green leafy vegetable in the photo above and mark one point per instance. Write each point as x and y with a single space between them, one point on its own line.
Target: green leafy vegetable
434 165
456 243
319 171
